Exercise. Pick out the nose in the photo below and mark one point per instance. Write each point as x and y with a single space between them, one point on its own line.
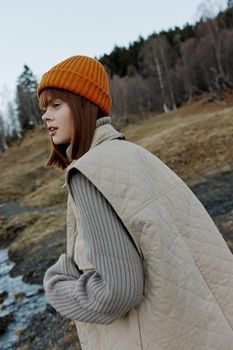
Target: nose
43 117
46 116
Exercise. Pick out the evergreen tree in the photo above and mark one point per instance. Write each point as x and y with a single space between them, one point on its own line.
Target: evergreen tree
119 59
28 110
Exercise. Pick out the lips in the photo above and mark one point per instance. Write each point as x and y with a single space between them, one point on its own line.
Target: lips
52 131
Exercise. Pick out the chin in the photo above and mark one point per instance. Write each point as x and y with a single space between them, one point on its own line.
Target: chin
57 142
60 142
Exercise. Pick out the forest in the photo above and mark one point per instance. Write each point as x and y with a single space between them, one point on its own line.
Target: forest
152 75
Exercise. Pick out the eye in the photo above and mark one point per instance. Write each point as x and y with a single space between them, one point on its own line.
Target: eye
56 105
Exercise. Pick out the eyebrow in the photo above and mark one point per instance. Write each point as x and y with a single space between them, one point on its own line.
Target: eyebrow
51 100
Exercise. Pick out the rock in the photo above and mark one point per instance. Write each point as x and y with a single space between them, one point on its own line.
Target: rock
41 290
228 225
19 332
3 296
4 323
19 296
49 330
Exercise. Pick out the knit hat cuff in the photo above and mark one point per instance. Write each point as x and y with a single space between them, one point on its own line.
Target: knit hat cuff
64 79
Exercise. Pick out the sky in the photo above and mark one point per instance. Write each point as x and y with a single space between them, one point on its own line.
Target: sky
44 32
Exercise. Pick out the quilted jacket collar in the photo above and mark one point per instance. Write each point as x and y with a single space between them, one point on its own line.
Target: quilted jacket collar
105 133
102 133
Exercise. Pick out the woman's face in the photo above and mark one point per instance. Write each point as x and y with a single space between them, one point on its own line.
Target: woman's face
58 119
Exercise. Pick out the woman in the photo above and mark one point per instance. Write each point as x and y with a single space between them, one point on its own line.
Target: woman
146 267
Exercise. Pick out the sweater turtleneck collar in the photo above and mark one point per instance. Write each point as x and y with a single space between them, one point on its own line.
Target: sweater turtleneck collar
100 122
103 121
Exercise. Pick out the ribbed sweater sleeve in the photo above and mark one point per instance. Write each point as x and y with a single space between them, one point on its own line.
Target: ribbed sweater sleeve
116 284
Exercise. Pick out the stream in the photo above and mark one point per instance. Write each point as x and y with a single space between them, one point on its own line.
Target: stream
19 302
12 207
24 306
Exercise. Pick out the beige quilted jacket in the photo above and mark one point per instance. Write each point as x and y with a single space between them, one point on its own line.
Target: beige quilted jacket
188 293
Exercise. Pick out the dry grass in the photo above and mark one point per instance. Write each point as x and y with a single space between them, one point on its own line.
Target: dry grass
23 169
38 230
46 195
11 227
192 140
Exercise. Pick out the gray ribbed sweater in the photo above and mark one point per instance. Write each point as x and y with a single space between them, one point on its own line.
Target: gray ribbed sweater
116 284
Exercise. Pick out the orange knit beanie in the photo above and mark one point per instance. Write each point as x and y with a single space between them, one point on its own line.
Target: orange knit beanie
82 75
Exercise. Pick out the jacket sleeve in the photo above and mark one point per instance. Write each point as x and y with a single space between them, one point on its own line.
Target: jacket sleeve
116 284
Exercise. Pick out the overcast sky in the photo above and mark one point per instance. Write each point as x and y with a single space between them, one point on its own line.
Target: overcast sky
42 33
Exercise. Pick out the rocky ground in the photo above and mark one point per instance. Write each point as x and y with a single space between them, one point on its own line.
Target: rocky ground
216 194
48 330
32 202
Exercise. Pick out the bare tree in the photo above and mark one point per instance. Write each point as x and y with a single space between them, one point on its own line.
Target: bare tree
131 97
211 40
169 74
118 88
229 4
208 9
155 63
14 130
227 54
187 50
3 144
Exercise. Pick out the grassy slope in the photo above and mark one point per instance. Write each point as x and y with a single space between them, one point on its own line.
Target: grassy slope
23 170
194 140
190 140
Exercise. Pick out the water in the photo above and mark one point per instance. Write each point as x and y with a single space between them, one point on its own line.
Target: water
13 207
29 302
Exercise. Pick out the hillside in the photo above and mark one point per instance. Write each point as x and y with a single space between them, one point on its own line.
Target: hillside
195 141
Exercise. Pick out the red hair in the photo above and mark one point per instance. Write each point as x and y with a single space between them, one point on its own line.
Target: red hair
85 114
